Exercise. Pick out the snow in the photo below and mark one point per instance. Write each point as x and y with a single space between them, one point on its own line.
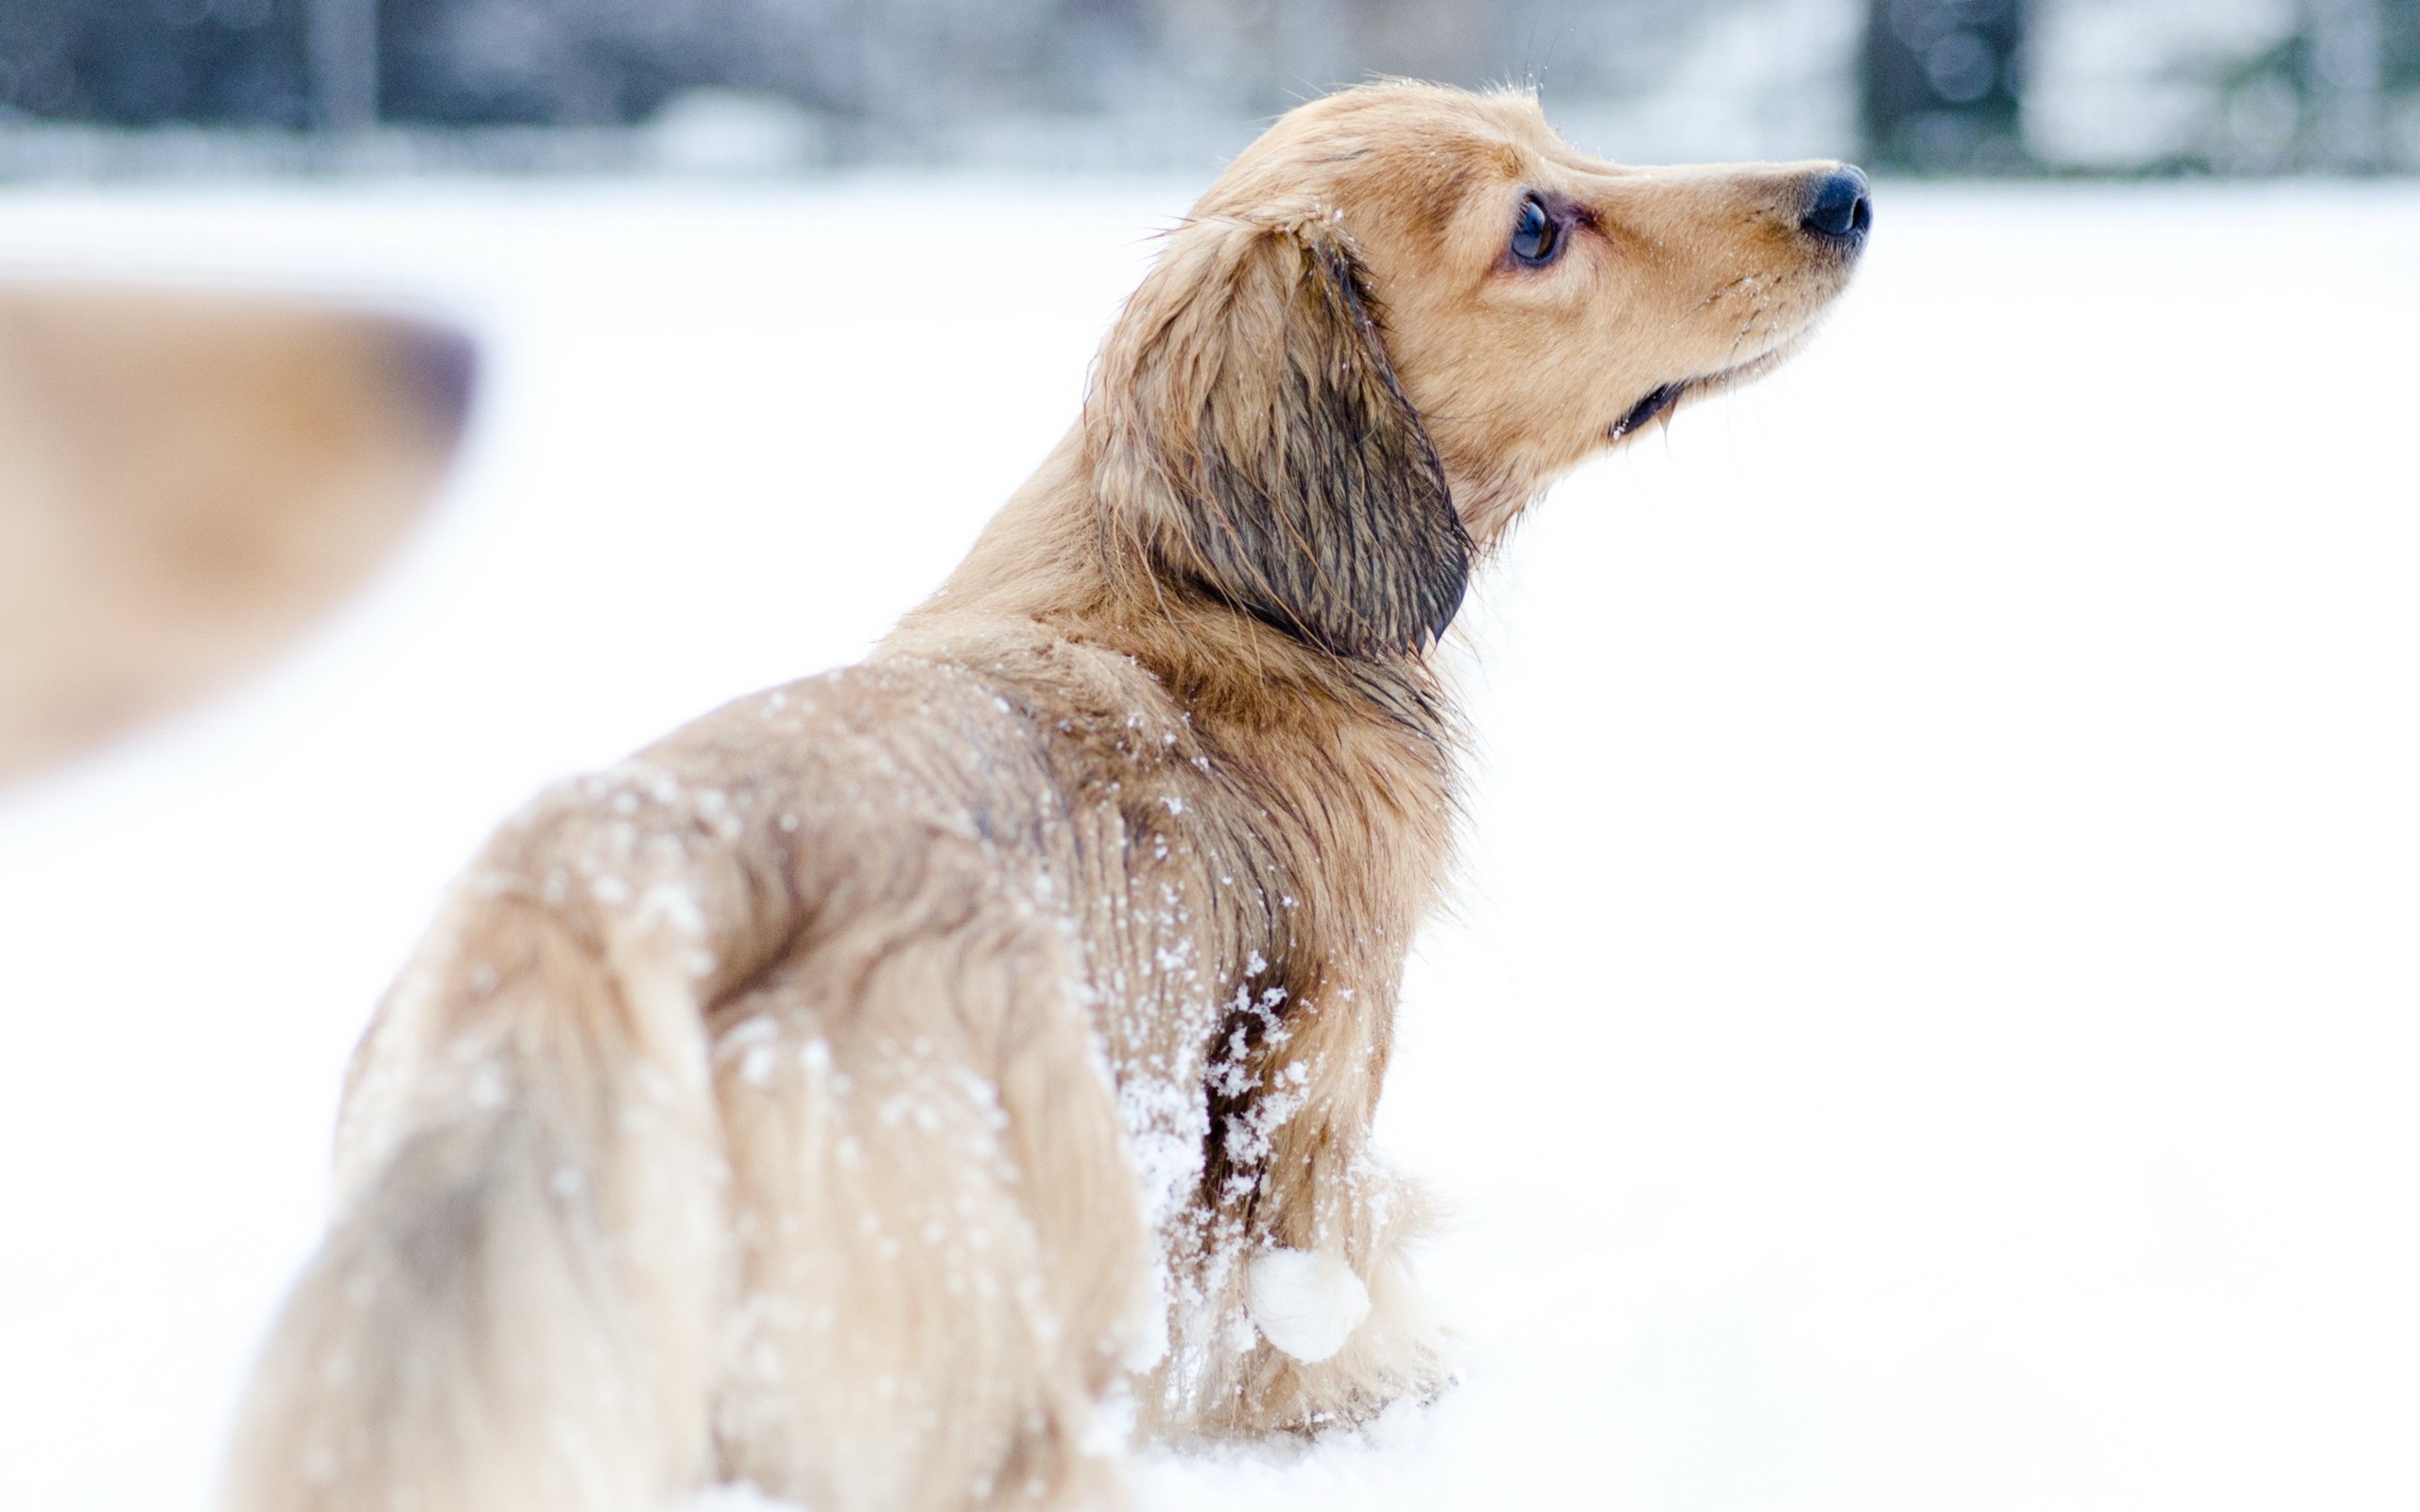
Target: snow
1305 1303
1929 1021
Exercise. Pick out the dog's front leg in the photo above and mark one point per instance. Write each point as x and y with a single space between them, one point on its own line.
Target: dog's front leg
1338 1329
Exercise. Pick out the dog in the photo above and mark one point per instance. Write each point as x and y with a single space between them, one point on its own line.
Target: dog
187 482
899 1088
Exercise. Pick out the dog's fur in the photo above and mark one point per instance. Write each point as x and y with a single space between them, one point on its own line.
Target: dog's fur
186 481
866 1089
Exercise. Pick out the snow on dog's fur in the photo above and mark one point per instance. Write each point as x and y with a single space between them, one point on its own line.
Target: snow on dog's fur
893 1086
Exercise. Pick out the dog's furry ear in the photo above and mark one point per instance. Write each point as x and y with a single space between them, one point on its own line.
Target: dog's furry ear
1249 440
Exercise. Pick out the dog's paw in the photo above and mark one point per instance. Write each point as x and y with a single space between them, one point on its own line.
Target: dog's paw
1305 1303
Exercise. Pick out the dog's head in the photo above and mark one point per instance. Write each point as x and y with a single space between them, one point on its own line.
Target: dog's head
1402 313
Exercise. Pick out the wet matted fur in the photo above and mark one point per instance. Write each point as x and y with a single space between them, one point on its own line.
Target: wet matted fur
890 1086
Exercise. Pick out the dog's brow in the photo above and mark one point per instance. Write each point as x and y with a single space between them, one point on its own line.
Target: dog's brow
1565 208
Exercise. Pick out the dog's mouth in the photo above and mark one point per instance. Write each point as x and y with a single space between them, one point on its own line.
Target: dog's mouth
1662 401
1659 402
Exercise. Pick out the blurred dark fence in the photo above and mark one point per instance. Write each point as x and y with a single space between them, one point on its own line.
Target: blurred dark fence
1924 85
587 63
1941 89
144 62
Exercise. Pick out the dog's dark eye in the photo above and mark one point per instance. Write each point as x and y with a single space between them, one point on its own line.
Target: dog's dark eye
1535 236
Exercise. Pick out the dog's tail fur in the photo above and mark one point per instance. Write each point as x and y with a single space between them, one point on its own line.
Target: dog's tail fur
514 1309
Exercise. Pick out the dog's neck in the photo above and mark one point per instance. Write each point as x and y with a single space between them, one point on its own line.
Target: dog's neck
1331 781
1238 680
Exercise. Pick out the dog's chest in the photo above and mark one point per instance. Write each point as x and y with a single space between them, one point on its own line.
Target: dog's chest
1213 911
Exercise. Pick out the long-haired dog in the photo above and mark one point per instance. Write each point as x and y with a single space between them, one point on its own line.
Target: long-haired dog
891 1086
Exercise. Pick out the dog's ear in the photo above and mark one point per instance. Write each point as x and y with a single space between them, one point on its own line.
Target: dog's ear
1249 440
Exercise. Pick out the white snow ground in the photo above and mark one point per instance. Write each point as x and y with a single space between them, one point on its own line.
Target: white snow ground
1931 1023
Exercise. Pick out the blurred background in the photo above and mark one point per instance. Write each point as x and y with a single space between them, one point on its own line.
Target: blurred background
1998 86
1930 1018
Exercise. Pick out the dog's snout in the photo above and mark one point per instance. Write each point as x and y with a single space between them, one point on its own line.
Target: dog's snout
1840 206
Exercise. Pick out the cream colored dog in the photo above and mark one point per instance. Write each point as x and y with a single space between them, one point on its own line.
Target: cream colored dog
886 1086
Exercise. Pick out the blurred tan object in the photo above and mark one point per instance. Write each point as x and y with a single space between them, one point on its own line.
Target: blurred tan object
186 481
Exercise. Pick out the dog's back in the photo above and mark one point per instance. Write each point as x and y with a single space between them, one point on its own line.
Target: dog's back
577 1246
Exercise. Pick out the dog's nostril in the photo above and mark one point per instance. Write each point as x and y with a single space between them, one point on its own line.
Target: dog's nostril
1842 205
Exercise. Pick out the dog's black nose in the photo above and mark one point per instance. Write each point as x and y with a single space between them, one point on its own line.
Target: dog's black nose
1842 206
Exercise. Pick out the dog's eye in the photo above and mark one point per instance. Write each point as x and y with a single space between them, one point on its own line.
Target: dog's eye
1535 236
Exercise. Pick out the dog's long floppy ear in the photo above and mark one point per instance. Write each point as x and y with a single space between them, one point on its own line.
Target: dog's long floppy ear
1250 441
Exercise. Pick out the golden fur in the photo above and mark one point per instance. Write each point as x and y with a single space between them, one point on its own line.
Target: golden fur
884 1086
185 481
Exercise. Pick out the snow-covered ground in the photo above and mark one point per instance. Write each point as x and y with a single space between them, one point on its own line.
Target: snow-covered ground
1931 1019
